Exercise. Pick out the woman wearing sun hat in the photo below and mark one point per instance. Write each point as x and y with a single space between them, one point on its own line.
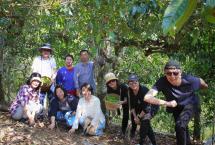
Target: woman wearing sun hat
26 105
115 87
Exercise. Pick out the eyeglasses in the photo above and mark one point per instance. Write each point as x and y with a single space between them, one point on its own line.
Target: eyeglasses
172 73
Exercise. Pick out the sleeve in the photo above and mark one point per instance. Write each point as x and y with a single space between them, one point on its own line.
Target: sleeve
77 116
159 85
195 82
54 106
132 101
23 95
98 113
54 65
73 102
34 65
76 76
146 106
58 77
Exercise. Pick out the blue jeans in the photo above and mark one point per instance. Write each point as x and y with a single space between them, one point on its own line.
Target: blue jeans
65 117
99 129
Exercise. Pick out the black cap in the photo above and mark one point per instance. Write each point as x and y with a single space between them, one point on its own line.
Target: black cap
172 64
133 77
46 46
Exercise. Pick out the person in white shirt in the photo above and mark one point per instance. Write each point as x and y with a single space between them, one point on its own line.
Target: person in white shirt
89 114
46 66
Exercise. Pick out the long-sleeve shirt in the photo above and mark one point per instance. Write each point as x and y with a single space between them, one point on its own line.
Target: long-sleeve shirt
91 109
25 94
69 104
84 73
65 77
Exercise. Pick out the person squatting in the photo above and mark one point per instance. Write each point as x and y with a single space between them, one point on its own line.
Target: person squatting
72 99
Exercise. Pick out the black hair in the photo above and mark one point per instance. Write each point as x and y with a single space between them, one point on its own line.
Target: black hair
61 87
69 55
84 50
35 74
88 86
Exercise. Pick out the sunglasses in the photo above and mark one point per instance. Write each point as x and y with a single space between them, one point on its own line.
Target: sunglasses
111 81
172 73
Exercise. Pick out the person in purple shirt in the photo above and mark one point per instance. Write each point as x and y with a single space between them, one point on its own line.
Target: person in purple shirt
27 104
179 91
84 72
65 76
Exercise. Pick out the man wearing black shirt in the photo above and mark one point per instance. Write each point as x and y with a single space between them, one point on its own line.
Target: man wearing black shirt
140 110
179 91
114 86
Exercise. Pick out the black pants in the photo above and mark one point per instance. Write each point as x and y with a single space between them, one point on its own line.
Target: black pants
145 130
125 117
182 116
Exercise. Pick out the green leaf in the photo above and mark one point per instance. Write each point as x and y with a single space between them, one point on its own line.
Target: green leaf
210 14
176 14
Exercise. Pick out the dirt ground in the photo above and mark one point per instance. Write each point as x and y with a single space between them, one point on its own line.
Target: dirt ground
14 132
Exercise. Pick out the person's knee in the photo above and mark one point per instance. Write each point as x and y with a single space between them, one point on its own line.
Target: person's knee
17 116
180 126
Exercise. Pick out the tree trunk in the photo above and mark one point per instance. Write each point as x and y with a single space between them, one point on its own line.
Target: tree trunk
3 105
1 69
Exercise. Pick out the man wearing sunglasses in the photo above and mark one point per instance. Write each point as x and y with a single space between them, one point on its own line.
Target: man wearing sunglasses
179 91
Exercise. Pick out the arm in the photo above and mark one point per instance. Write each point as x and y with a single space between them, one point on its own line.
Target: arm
98 113
54 70
52 125
134 113
58 78
203 84
150 98
76 76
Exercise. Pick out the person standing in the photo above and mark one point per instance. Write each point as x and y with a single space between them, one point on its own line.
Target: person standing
140 110
46 66
179 91
84 72
65 76
115 87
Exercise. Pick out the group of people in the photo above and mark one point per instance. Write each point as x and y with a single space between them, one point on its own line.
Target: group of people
72 97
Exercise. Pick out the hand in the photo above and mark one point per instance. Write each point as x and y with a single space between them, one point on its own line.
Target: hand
121 102
51 126
172 103
137 120
31 121
72 131
78 93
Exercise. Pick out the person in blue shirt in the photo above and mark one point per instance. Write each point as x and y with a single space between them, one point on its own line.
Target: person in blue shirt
62 107
179 91
65 76
84 72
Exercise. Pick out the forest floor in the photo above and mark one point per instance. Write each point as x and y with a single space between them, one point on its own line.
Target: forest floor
14 132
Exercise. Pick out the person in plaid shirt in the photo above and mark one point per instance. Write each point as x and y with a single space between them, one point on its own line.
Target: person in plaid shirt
27 104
